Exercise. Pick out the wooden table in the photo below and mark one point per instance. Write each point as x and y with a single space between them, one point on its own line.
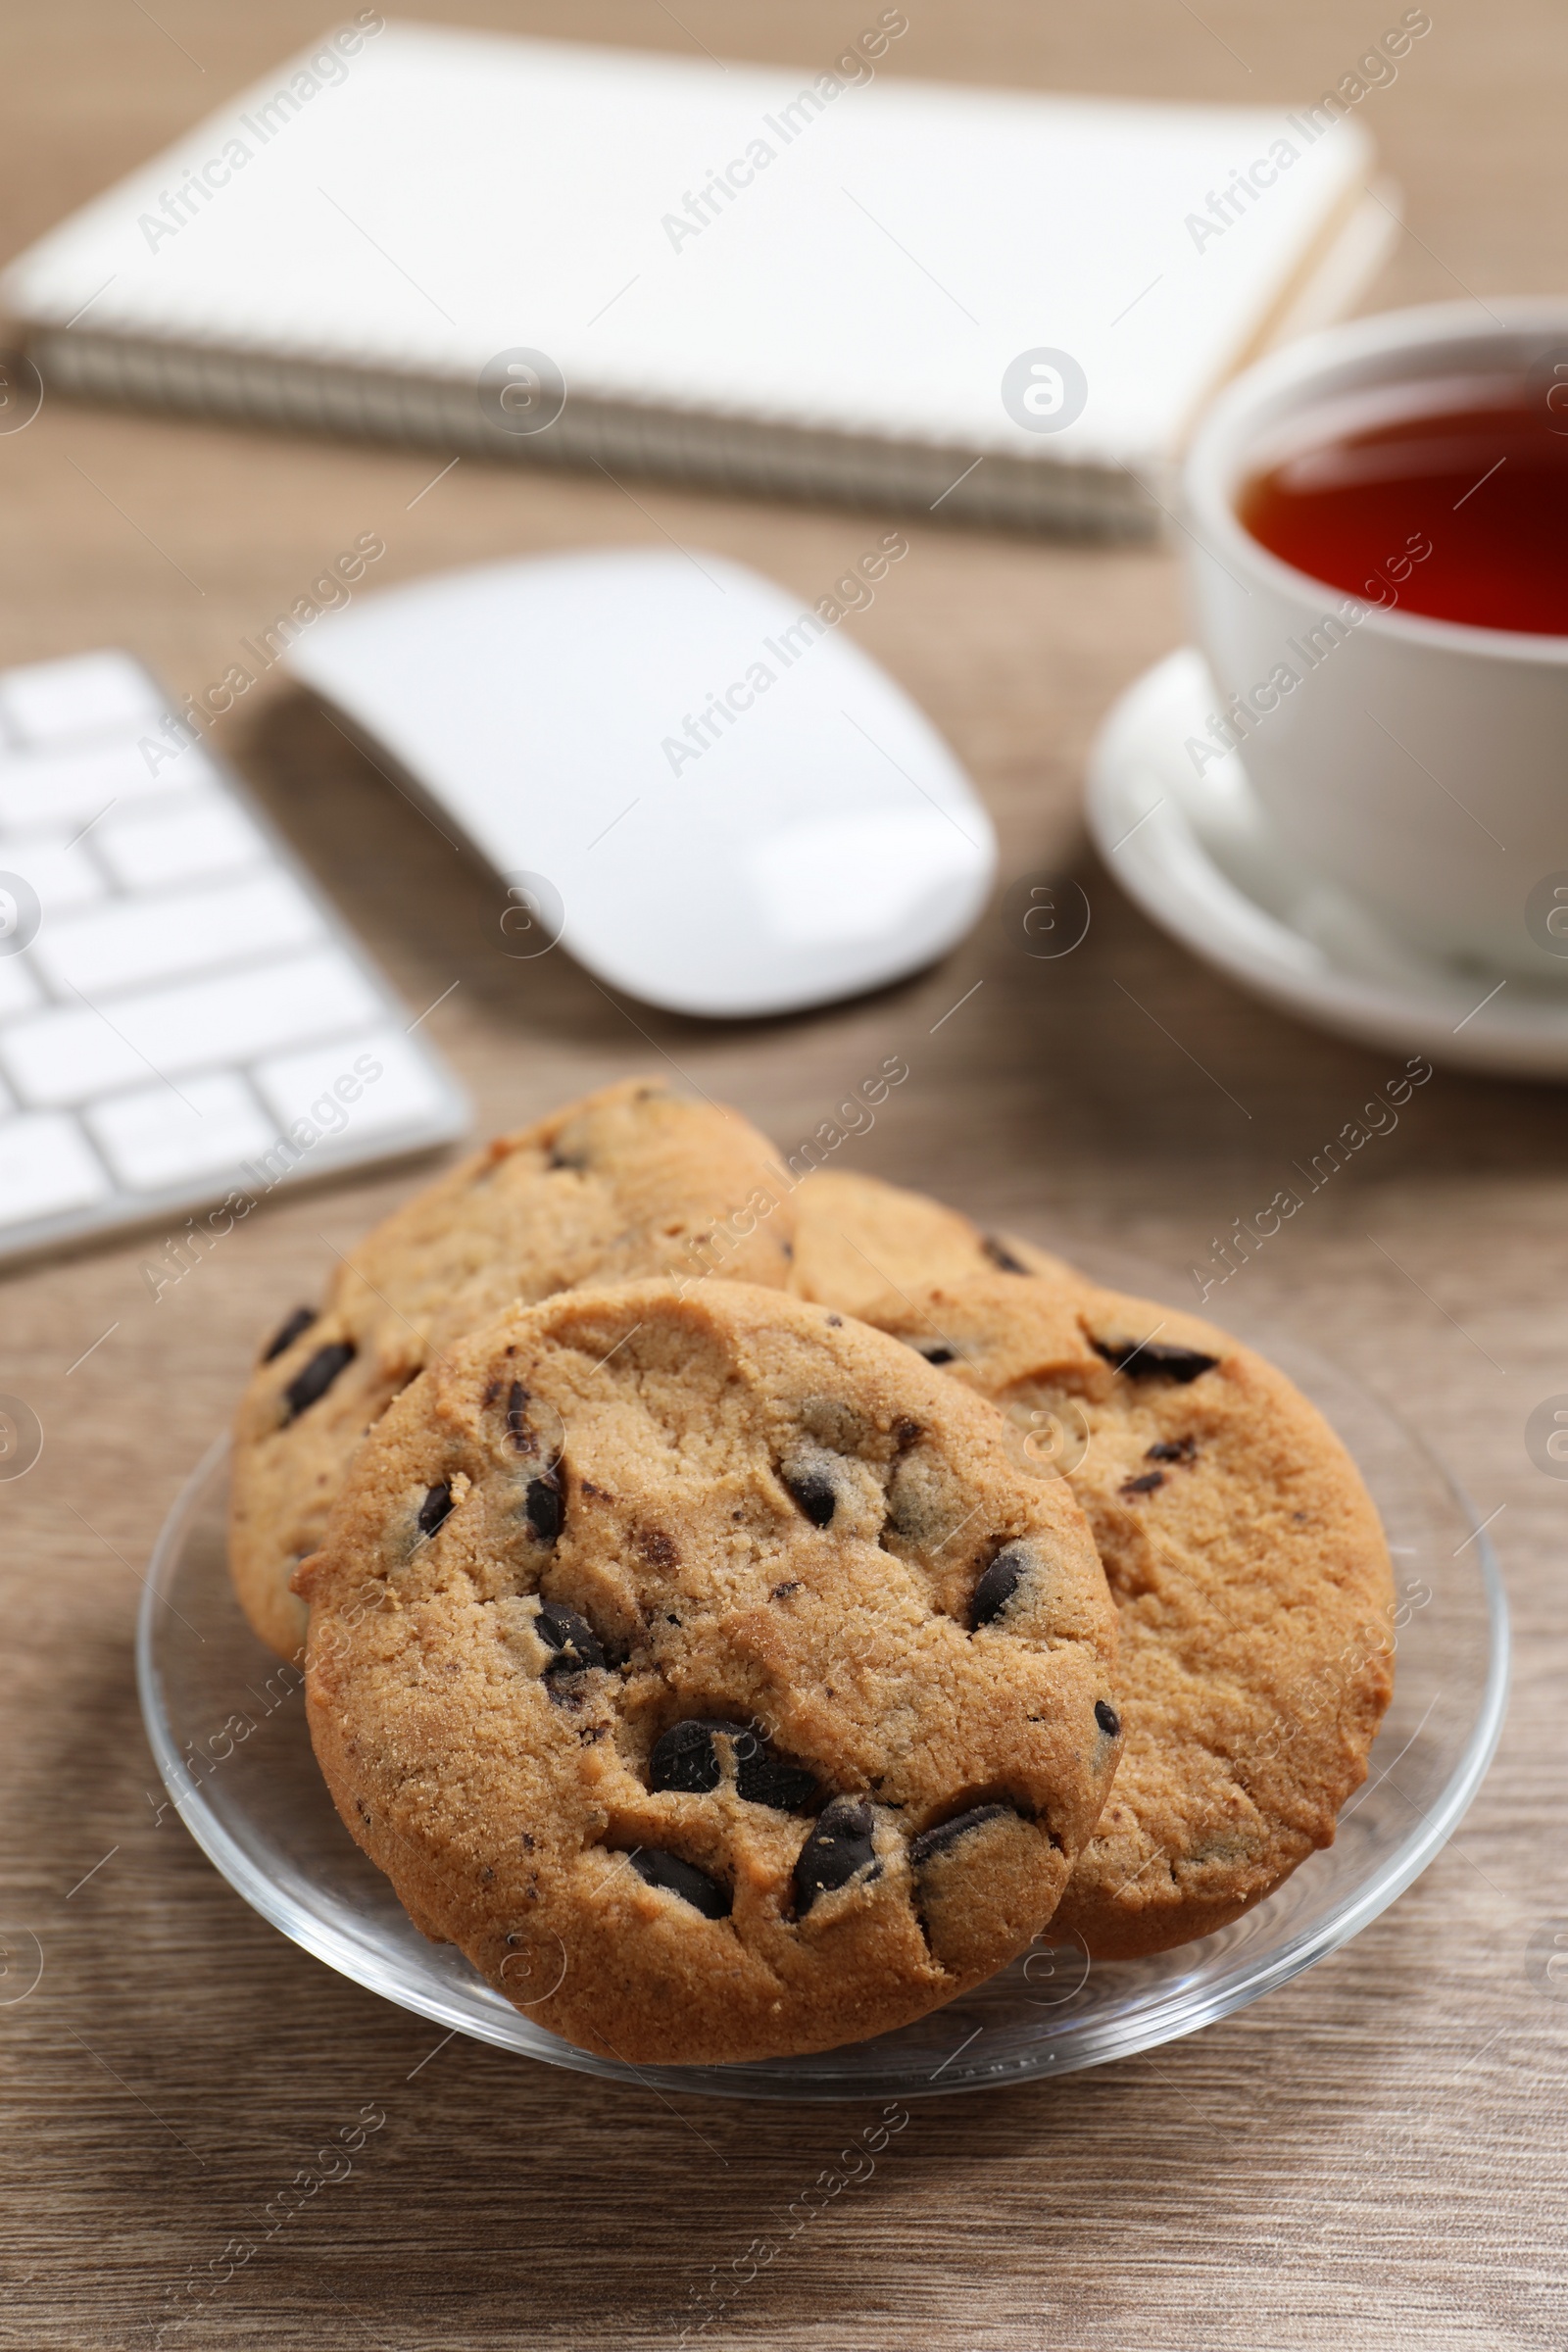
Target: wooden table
1375 2155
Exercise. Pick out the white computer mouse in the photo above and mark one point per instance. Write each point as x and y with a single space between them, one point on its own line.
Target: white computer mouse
737 812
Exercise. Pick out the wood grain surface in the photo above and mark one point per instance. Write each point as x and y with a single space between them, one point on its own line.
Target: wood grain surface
1374 2156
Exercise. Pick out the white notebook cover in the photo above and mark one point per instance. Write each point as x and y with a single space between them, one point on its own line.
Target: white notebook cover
441 197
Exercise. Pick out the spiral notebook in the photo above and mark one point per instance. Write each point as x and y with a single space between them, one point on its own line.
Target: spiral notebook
828 281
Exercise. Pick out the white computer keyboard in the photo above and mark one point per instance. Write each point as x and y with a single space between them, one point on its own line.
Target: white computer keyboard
182 1015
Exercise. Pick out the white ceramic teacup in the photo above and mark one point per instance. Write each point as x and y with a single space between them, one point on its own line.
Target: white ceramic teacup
1420 764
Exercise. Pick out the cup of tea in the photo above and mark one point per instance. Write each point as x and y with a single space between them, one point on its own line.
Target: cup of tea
1378 564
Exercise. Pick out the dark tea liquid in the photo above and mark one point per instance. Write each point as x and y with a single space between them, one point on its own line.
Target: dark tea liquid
1446 498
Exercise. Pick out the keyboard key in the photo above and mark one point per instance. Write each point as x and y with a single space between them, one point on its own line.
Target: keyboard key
47 790
199 834
67 1054
18 990
59 871
89 694
45 1169
137 940
156 1137
362 1085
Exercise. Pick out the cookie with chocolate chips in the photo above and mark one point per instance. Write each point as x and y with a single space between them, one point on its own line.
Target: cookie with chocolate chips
630 1182
1251 1576
856 1238
706 1668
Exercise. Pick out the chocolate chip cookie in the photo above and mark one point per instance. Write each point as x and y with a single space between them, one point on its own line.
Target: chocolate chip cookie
704 1666
856 1238
1250 1572
632 1181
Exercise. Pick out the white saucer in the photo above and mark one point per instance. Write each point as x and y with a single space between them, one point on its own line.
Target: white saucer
1201 860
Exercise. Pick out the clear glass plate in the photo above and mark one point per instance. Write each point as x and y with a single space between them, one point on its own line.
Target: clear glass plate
227 1724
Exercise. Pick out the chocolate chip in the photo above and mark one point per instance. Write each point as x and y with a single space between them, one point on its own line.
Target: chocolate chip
1000 1255
907 1433
685 1758
547 1510
839 1846
287 1332
317 1376
834 1322
1149 1359
936 1353
518 1429
1173 1449
435 1507
783 1592
576 1161
1145 1485
693 1886
1108 1718
814 1490
763 1777
997 1586
948 1832
576 1646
